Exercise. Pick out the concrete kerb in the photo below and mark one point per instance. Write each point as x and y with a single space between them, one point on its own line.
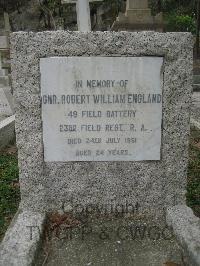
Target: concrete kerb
186 227
22 240
195 123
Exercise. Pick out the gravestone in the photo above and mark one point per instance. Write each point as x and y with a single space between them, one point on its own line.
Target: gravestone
4 68
138 17
7 118
105 129
4 42
102 121
6 103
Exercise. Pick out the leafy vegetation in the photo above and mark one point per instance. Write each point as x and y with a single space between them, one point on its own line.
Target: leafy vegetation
193 191
181 23
179 7
179 15
12 5
9 189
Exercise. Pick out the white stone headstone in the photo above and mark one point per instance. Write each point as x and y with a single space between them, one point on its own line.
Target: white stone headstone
83 18
101 108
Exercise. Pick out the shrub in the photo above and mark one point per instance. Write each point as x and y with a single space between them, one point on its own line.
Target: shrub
181 23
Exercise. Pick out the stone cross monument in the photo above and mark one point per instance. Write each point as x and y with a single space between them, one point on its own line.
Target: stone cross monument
83 13
138 17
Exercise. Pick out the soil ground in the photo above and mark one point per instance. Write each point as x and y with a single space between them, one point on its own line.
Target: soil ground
114 242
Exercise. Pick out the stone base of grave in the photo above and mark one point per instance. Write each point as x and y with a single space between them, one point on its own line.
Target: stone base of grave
138 20
21 242
102 241
121 241
186 227
6 102
4 41
5 81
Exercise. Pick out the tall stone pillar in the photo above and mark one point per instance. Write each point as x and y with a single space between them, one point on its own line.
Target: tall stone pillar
137 4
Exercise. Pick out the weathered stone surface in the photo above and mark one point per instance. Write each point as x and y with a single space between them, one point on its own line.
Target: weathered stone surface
4 42
138 17
195 108
113 242
7 131
4 81
154 185
140 4
195 123
6 102
186 227
22 239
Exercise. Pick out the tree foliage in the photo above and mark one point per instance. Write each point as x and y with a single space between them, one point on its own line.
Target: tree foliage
179 7
180 15
12 5
181 23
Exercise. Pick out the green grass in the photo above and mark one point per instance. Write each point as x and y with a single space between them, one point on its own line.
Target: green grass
193 189
9 190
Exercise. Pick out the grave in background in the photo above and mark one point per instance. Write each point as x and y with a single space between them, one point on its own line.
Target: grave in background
6 103
7 118
83 13
114 68
7 131
138 17
4 55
